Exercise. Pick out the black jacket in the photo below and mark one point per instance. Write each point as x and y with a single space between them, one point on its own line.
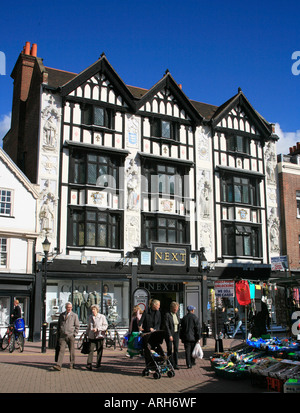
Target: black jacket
190 330
169 324
150 319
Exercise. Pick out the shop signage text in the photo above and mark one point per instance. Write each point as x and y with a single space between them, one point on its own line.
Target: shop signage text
170 256
224 288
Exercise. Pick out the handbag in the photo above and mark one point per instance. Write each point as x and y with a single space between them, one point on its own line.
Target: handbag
197 352
86 345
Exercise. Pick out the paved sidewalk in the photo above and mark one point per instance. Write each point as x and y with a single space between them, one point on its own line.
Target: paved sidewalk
31 372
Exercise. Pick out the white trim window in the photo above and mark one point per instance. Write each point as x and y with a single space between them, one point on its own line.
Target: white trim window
3 252
298 203
5 202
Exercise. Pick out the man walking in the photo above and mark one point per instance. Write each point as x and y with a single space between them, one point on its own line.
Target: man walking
190 333
68 327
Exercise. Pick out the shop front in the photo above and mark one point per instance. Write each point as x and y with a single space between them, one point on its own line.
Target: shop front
106 284
171 273
15 287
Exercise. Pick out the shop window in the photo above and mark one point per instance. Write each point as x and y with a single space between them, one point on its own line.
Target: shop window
112 298
5 309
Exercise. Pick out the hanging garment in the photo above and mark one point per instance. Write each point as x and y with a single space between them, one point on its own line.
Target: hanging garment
243 292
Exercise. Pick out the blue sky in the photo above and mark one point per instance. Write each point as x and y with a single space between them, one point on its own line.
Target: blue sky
211 48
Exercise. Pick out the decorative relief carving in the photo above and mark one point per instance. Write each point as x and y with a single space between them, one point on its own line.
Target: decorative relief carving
273 224
204 187
270 157
51 117
132 184
133 127
203 146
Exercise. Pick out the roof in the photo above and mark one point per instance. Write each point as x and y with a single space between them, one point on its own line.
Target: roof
60 78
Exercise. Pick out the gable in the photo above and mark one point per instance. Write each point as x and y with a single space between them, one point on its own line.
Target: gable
167 98
164 103
99 82
238 120
238 114
99 88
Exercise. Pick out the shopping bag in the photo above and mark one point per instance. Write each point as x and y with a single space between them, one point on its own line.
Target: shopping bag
85 349
134 344
197 352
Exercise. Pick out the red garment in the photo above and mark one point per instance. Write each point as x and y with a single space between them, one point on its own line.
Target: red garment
243 292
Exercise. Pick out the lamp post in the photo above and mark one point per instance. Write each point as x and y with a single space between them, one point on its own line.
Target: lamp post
204 270
46 247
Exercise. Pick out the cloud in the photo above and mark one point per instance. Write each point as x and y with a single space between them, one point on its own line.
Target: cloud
4 126
286 139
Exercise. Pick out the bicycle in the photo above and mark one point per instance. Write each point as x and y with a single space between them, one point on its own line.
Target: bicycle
112 338
14 336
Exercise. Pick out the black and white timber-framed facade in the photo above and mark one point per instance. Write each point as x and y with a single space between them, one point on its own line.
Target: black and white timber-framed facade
135 183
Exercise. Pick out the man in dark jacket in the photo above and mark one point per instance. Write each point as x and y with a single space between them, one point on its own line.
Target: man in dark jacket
190 333
172 333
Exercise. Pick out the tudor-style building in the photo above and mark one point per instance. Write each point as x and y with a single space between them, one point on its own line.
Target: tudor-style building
135 183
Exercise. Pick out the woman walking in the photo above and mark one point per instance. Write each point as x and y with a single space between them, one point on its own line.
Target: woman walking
97 325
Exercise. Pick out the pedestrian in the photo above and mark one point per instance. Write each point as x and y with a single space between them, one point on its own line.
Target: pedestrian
135 319
237 324
97 325
151 318
190 333
172 324
17 312
67 329
150 322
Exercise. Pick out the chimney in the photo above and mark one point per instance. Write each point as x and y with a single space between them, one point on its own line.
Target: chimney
27 48
33 50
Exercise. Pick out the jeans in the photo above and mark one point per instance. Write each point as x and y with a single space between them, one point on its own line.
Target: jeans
239 325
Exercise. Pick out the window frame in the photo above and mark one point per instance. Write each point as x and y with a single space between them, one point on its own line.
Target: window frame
157 129
153 225
4 202
229 186
4 252
233 144
159 181
80 165
88 116
78 230
237 237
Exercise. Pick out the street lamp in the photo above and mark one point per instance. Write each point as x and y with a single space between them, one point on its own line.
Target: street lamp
204 269
46 247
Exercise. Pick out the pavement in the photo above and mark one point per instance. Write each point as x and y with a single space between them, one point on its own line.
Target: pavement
31 373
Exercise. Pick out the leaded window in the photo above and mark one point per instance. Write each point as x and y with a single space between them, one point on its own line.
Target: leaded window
95 229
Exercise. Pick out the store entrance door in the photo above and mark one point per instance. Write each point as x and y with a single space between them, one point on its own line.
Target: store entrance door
165 301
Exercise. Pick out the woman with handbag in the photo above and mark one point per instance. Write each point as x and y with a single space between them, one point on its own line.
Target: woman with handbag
97 325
